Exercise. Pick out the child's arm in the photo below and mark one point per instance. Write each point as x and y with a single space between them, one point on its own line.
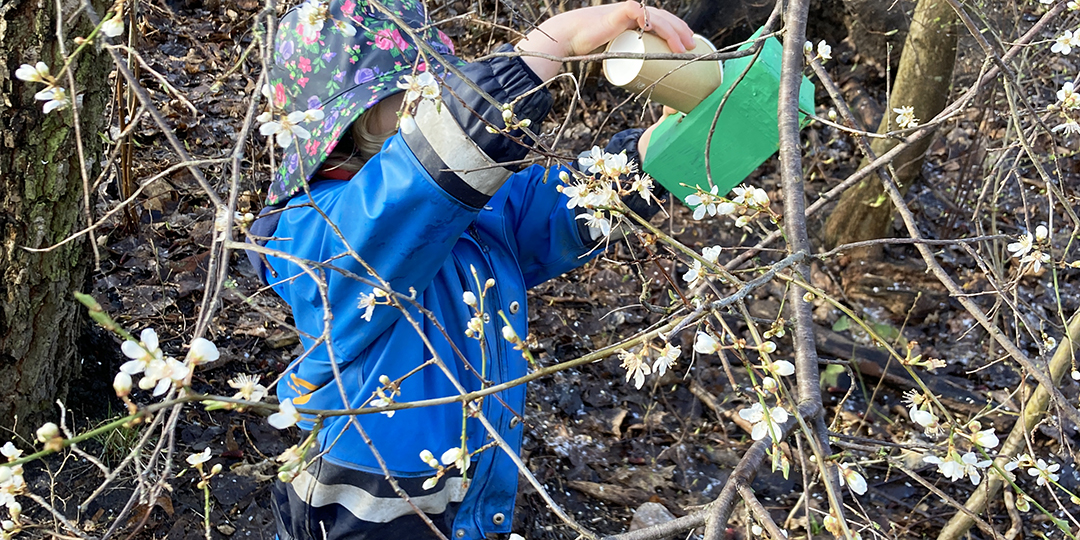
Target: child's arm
582 31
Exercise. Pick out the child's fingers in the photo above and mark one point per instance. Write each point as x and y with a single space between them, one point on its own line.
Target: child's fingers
666 25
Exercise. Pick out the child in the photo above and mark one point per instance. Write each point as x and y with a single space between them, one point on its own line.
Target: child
440 211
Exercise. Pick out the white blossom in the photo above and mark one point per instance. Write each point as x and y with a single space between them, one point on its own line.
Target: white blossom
852 478
10 451
1044 473
668 356
906 117
469 298
422 86
113 27
824 51
710 254
985 438
141 353
770 423
35 73
288 128
199 458
635 367
693 274
47 432
954 466
456 456
704 202
122 384
312 15
202 351
247 387
1022 245
1064 43
1068 96
286 416
705 343
598 221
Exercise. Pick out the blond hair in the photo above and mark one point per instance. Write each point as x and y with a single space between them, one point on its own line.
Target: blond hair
350 158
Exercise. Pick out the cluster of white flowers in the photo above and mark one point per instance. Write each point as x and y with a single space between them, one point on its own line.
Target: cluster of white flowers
1043 472
292 462
417 88
637 364
12 484
312 15
1029 249
1068 107
159 372
475 327
824 51
748 202
458 456
955 466
54 95
905 117
610 177
385 394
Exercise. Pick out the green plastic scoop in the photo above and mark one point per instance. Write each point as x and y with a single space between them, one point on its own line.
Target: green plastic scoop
746 131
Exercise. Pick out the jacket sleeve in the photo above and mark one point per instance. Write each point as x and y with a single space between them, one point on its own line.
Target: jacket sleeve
452 141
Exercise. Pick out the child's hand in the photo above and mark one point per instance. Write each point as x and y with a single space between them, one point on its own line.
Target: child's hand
582 31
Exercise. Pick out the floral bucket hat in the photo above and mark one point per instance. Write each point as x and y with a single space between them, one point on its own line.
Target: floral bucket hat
332 62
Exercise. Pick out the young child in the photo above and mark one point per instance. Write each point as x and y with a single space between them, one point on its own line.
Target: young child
441 211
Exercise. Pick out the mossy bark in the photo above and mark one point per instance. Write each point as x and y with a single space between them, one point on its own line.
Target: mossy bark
922 81
41 203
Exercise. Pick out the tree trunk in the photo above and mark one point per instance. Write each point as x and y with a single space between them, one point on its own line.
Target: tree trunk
41 203
922 82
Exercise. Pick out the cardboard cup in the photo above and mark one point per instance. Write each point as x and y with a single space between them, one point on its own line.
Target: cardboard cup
679 84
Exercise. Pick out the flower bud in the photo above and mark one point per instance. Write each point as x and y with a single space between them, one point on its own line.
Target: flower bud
491 130
215 469
808 48
384 380
122 384
507 114
469 298
525 123
489 283
508 334
47 432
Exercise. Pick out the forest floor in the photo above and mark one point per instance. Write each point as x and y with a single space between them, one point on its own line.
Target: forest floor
600 446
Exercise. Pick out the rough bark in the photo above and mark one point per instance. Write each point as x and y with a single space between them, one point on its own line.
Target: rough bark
41 193
922 82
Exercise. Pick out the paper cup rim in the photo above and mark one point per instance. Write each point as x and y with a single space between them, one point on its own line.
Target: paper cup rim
622 71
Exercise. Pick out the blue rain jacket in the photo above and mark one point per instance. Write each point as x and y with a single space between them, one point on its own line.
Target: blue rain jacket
426 219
